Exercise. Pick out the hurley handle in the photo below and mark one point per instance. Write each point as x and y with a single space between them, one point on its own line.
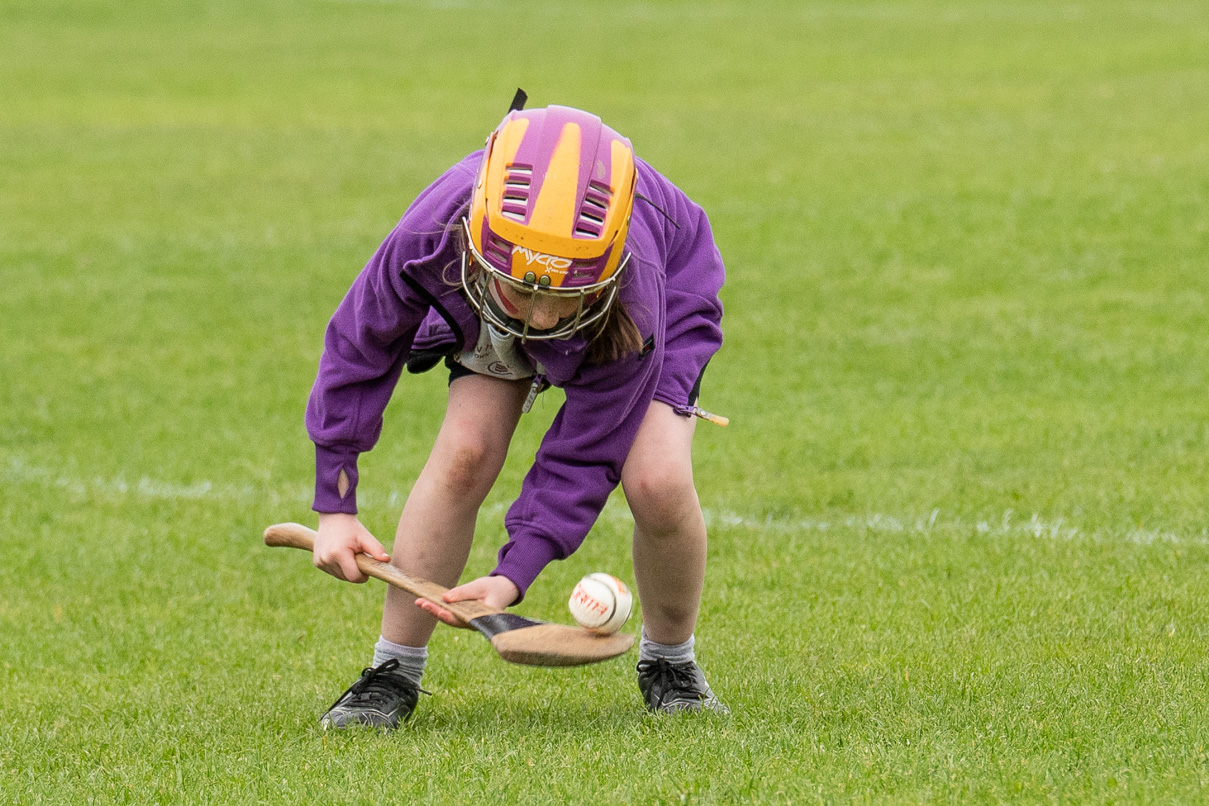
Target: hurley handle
295 535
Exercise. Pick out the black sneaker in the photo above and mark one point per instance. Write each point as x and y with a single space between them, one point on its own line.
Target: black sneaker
671 687
381 698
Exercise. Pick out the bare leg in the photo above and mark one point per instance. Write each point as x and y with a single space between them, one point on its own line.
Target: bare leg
436 528
669 529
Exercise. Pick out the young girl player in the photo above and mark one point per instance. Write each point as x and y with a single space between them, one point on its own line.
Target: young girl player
551 257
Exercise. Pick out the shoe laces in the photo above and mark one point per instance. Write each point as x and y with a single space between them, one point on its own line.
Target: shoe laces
669 676
377 684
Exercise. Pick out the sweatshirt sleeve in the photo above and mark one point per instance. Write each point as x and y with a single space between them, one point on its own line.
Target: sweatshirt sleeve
363 351
577 466
370 335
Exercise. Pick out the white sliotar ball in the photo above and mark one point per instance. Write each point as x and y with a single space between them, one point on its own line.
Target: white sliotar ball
601 603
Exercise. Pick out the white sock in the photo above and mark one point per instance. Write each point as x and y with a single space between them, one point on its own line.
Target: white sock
672 653
411 658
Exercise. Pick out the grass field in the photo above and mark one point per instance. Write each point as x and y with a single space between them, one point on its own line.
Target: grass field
959 525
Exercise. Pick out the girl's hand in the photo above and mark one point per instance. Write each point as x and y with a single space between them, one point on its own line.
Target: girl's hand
496 592
341 538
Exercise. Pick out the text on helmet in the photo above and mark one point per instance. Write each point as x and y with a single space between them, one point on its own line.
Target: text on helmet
541 258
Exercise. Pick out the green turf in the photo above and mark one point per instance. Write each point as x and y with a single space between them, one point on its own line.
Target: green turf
959 532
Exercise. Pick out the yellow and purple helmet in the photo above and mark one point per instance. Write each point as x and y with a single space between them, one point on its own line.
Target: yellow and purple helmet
549 214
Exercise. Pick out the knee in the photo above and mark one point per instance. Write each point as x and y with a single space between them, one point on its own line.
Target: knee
469 463
660 497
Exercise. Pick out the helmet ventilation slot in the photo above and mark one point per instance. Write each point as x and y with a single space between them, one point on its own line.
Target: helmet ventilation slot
517 183
594 210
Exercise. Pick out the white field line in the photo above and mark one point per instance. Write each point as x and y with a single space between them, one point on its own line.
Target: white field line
1010 524
18 471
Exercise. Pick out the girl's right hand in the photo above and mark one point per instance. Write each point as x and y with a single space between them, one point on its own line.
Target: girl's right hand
341 538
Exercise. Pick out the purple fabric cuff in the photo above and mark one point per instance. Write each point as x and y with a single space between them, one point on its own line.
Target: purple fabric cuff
521 561
329 461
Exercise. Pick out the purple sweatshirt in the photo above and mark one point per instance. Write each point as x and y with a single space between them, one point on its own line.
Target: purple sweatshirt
408 298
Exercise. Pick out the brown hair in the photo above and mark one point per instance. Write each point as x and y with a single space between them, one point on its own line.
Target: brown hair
614 337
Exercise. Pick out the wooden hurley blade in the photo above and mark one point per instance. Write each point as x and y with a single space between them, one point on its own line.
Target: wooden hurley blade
516 638
559 645
538 643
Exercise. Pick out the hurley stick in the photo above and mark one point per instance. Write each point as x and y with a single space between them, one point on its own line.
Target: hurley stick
515 638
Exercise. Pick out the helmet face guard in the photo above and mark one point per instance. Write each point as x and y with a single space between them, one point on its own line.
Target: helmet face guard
548 217
478 277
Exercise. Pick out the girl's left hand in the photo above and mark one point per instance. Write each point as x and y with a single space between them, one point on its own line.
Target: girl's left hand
496 592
